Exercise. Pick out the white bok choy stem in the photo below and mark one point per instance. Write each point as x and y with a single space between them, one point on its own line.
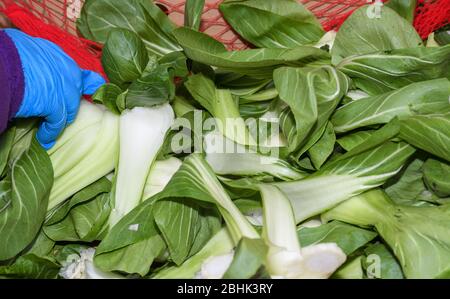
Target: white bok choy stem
285 257
142 133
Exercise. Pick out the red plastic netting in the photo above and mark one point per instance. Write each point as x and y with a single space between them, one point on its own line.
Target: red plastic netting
55 20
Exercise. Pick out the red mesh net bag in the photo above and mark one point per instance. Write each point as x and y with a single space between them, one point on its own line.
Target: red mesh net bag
55 21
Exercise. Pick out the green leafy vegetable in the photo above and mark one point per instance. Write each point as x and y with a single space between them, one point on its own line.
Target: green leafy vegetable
349 238
312 95
84 217
132 244
350 141
248 259
407 187
139 229
339 180
350 270
428 132
24 194
258 63
221 105
31 266
156 87
144 18
323 148
285 257
272 24
417 98
436 174
219 245
200 162
107 95
244 162
124 57
368 31
385 71
192 13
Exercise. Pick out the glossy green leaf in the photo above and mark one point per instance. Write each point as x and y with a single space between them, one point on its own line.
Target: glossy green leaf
343 178
436 175
374 139
350 270
241 161
132 244
348 237
240 85
31 266
430 133
385 71
258 63
254 110
155 88
350 141
138 229
407 186
249 257
418 236
222 106
195 179
272 24
312 95
28 181
41 246
6 143
323 148
124 57
98 187
183 217
193 11
260 96
381 263
209 225
107 95
175 62
85 222
144 18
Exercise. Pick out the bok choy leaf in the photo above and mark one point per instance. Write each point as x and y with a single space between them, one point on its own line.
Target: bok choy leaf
274 24
339 180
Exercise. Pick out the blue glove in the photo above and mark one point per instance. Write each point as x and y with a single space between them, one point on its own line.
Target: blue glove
54 85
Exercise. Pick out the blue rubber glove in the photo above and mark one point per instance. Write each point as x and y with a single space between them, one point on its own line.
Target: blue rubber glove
54 85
